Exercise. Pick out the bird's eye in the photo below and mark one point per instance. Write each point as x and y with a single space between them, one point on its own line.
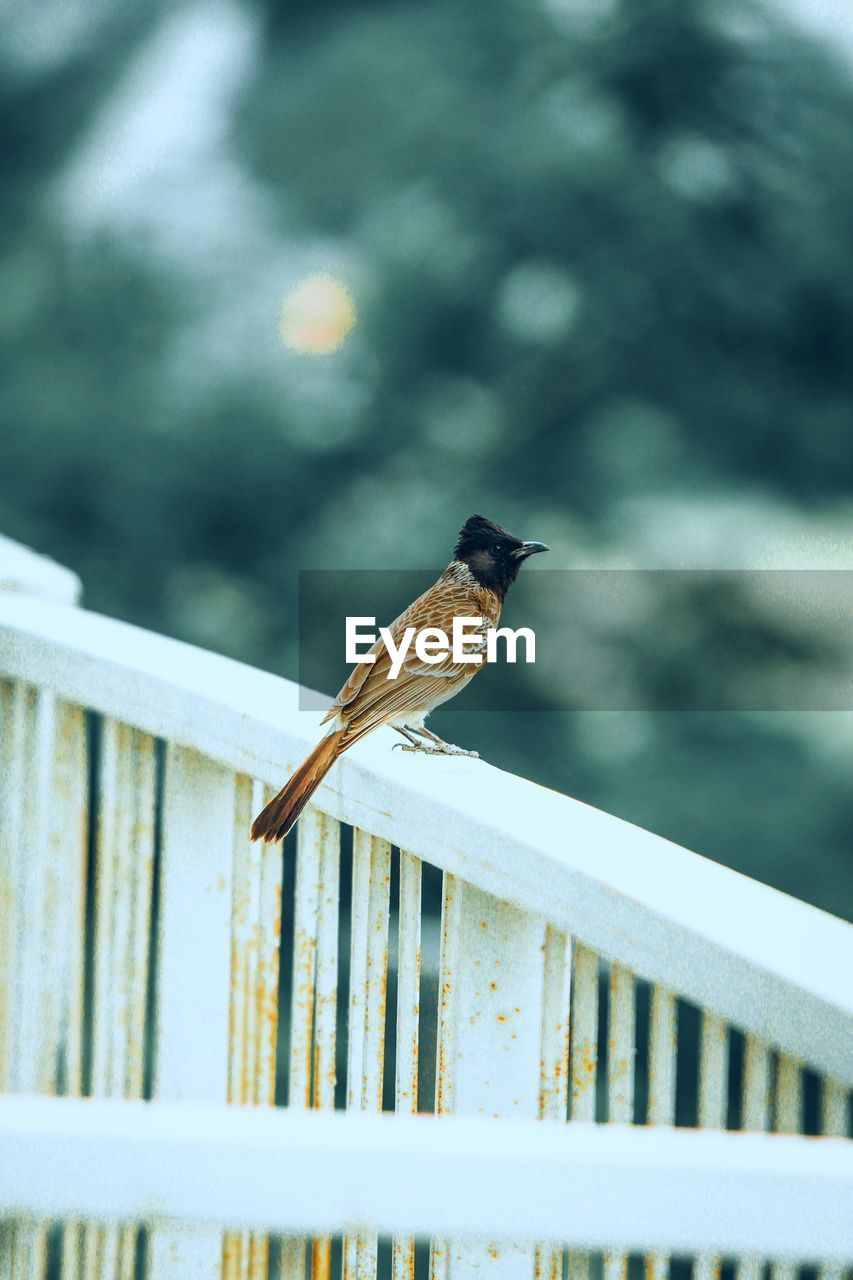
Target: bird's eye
497 547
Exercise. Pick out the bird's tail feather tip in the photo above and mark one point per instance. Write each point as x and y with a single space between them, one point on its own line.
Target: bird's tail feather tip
261 830
276 820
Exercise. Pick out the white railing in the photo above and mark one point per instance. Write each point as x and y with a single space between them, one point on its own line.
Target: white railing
140 957
24 570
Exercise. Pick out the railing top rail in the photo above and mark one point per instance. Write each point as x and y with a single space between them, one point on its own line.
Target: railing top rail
32 574
767 962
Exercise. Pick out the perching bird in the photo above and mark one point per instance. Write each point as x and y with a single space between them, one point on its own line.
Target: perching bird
485 565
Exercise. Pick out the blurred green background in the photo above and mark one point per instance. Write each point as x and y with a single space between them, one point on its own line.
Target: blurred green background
601 258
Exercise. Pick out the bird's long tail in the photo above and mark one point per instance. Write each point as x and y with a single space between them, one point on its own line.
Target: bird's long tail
274 822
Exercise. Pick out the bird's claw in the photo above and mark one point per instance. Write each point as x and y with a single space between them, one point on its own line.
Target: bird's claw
450 749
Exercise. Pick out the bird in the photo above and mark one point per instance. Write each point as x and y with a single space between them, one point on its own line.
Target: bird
486 562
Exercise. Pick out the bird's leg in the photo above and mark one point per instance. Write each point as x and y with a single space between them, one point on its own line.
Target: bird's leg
439 746
423 732
407 733
433 737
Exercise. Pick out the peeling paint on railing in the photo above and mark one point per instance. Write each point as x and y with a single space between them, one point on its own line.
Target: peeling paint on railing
253 1023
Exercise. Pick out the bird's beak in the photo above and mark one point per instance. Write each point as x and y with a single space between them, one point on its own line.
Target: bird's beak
529 549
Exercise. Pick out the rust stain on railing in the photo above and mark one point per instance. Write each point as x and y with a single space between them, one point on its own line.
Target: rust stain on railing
253 1012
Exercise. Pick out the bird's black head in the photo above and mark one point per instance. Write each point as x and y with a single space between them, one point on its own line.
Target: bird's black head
493 555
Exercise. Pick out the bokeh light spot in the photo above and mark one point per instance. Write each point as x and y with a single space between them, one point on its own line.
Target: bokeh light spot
538 302
317 315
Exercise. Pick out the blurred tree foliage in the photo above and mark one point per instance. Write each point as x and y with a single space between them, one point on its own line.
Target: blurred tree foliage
598 253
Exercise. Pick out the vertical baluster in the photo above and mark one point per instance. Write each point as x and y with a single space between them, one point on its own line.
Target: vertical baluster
327 963
491 1003
255 939
245 942
833 1110
788 1109
328 911
620 1077
756 1087
621 1051
447 1032
268 962
123 869
554 1066
377 972
787 1118
448 989
308 855
663 1047
361 847
13 754
713 1101
194 969
12 706
308 868
36 1029
755 1119
833 1123
32 1062
371 880
713 1072
143 796
408 1014
112 838
70 841
136 961
66 830
314 1006
448 1027
266 998
556 1005
584 1060
14 760
584 1055
361 851
112 926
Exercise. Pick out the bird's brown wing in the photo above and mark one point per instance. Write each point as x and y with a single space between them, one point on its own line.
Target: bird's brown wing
369 698
407 700
357 678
